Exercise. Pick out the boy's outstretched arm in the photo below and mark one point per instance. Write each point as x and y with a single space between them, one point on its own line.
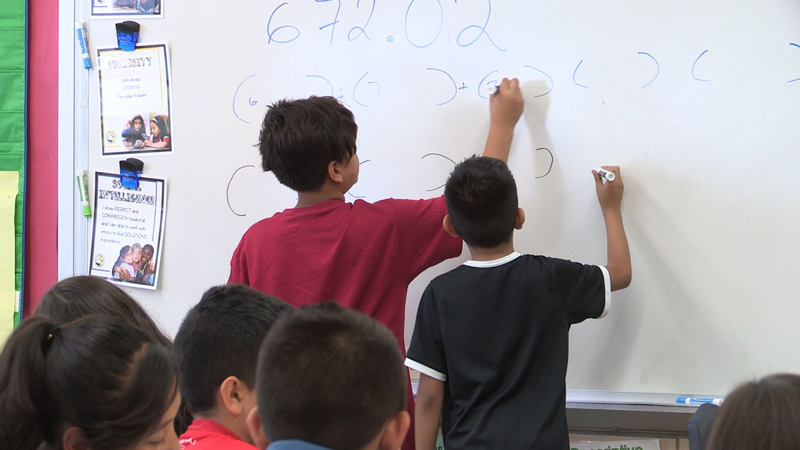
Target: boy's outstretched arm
619 256
428 412
506 107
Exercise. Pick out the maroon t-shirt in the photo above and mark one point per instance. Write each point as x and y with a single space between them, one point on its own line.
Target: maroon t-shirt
361 255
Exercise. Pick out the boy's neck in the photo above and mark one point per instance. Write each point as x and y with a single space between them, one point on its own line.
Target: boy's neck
491 253
312 198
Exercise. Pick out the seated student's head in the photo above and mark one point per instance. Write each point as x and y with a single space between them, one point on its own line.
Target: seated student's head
300 139
79 296
761 414
97 383
217 349
332 377
482 205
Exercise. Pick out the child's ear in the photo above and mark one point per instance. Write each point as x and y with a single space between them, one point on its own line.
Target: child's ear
230 394
394 432
448 226
73 438
334 173
256 429
520 219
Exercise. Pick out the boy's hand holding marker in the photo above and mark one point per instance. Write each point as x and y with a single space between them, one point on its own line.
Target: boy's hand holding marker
609 194
609 187
505 105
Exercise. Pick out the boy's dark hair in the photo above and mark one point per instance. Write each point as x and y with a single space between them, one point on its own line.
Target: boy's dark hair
760 414
299 138
108 378
220 337
329 376
481 198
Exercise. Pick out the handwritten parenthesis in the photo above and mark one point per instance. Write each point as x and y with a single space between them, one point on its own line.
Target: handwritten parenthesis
551 161
441 21
270 34
487 83
370 82
658 68
482 32
796 79
573 76
359 196
237 94
455 86
362 30
379 87
323 78
550 79
228 190
695 64
335 19
445 157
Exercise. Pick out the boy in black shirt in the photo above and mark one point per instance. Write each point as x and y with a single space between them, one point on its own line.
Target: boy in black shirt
491 337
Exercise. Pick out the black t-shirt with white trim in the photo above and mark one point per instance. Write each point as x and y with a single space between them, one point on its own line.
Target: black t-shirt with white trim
496 333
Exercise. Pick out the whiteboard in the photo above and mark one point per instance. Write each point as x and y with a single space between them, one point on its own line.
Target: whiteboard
695 100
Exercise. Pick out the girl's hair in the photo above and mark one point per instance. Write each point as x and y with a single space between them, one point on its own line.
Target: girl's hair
111 380
76 297
760 414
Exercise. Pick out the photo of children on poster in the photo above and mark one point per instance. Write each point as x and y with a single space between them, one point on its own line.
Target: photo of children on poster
124 8
128 231
135 101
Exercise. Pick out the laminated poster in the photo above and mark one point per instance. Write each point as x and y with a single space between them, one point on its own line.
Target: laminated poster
135 101
127 8
128 231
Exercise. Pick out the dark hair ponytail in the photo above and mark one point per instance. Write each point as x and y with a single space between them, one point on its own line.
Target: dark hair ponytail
112 380
22 381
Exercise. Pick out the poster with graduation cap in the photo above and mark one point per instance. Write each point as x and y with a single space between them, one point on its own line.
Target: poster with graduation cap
135 99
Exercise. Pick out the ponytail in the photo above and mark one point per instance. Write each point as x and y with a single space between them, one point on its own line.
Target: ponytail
22 384
112 380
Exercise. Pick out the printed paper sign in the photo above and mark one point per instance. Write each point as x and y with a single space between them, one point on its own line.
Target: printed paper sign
127 8
135 101
128 231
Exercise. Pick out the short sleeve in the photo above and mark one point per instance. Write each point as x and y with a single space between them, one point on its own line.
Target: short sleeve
582 289
426 352
422 237
239 266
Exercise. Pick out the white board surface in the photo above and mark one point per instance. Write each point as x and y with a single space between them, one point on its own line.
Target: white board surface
695 100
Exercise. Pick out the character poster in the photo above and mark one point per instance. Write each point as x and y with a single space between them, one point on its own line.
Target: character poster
135 101
128 231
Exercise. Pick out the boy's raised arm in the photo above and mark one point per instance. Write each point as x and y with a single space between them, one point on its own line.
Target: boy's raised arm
619 256
506 107
428 412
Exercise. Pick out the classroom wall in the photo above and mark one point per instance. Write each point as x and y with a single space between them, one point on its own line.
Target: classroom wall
41 263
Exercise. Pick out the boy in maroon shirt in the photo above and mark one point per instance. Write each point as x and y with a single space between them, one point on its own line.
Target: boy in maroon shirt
361 255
